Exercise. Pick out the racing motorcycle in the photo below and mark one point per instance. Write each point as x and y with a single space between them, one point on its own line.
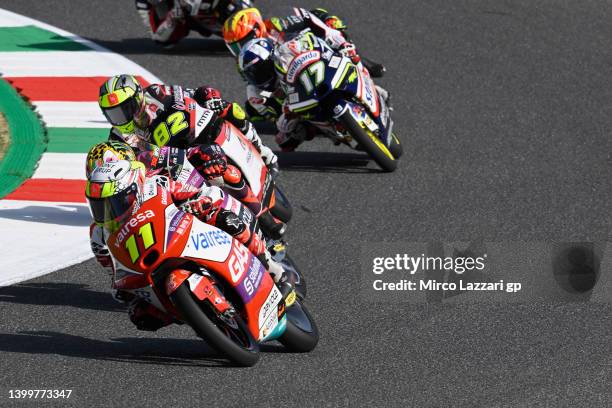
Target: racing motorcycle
174 162
202 276
338 98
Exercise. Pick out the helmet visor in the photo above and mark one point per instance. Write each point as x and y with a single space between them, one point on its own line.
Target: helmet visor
114 210
122 113
262 75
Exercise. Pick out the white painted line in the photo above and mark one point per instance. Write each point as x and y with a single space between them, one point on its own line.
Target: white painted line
61 166
65 63
37 238
121 63
71 114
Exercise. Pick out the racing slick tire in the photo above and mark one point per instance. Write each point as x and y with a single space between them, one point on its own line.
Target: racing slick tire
396 147
190 308
282 207
369 142
301 334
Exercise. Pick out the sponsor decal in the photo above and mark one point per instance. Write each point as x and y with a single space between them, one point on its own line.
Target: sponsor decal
175 279
249 285
177 225
112 99
239 261
132 223
179 103
335 62
270 307
269 325
300 62
204 118
209 239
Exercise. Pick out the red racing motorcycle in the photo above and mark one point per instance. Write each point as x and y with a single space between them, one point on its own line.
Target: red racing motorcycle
204 277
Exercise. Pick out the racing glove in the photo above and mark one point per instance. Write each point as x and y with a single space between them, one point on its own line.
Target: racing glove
348 50
99 248
270 159
211 98
209 160
200 206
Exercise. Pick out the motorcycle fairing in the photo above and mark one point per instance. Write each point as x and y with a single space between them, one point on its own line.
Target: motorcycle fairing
245 156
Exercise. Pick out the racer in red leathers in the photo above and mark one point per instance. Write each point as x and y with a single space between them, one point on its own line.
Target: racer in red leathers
210 205
169 21
157 115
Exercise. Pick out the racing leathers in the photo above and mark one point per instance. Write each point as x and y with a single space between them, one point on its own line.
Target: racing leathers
165 122
210 205
169 21
262 103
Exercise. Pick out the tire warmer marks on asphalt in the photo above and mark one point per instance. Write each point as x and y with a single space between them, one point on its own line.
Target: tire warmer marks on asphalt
44 221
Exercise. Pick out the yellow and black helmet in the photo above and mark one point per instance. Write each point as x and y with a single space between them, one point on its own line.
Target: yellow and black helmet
110 151
121 99
114 192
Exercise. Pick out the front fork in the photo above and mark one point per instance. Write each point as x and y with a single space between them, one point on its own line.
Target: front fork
364 119
202 286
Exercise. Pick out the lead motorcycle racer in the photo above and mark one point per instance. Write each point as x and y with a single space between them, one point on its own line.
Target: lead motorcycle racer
156 114
114 200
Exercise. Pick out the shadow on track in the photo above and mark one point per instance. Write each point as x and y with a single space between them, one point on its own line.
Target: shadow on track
59 294
179 352
175 352
325 162
188 46
72 215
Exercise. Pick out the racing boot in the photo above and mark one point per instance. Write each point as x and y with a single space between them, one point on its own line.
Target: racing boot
280 278
272 228
375 69
383 93
147 317
239 189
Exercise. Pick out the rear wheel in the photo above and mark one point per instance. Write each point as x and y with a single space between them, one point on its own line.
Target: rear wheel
301 334
229 336
369 142
282 207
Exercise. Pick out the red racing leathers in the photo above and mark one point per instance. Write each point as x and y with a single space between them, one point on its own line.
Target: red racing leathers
210 205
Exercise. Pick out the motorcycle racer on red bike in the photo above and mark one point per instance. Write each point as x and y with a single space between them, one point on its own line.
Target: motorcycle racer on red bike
169 21
157 115
116 188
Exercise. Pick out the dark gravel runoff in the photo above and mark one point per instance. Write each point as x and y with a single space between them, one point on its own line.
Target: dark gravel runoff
504 109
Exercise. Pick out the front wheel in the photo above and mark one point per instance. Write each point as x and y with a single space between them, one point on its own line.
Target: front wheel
369 142
232 338
395 147
301 334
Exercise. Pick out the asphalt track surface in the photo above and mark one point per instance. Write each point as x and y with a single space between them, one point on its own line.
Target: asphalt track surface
505 111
